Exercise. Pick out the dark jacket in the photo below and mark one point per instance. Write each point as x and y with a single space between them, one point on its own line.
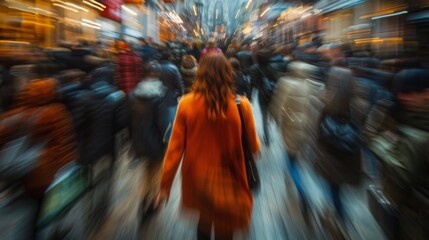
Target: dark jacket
106 114
196 52
146 119
148 53
246 60
170 77
242 84
335 166
257 75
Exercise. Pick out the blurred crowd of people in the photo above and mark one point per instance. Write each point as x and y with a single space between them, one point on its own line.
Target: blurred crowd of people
356 118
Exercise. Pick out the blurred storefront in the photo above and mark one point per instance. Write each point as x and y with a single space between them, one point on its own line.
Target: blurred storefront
28 22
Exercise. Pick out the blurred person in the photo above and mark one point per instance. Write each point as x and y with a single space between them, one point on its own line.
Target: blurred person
170 77
338 159
129 68
245 58
188 70
241 82
400 143
307 52
211 47
195 51
148 52
264 78
232 49
148 133
35 109
288 108
207 133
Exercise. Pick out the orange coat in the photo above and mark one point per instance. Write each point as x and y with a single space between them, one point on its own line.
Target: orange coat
213 169
52 122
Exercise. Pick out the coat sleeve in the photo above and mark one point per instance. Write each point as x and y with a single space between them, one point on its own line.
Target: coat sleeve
255 145
180 86
175 150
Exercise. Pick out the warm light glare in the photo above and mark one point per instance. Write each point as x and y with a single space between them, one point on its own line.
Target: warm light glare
94 6
195 10
65 7
248 4
91 22
89 25
13 42
129 10
76 6
97 3
264 12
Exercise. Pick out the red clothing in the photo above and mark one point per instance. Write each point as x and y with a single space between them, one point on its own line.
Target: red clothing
129 70
208 51
213 169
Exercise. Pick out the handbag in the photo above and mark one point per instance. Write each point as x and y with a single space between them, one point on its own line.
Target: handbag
20 155
384 211
253 178
70 183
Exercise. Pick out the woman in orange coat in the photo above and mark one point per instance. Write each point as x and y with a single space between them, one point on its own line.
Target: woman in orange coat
207 133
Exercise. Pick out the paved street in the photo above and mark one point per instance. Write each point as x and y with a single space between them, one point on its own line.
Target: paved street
276 213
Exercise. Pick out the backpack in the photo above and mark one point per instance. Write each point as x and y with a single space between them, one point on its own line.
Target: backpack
148 133
340 134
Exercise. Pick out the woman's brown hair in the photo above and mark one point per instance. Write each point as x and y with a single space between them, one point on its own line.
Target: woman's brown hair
215 83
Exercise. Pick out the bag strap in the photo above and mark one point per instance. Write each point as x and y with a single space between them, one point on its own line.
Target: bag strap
245 137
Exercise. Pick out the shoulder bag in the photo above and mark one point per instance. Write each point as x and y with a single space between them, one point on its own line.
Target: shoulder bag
251 170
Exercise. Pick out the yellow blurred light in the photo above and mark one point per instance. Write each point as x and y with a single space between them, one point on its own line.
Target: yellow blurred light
248 4
91 22
97 3
94 6
89 25
13 42
264 12
195 10
76 6
65 7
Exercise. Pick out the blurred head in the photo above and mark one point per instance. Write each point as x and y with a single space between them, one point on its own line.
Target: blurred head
153 71
235 64
164 53
215 83
189 61
412 89
254 46
264 55
211 43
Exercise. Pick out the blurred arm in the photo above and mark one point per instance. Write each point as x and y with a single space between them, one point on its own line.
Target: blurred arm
175 150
